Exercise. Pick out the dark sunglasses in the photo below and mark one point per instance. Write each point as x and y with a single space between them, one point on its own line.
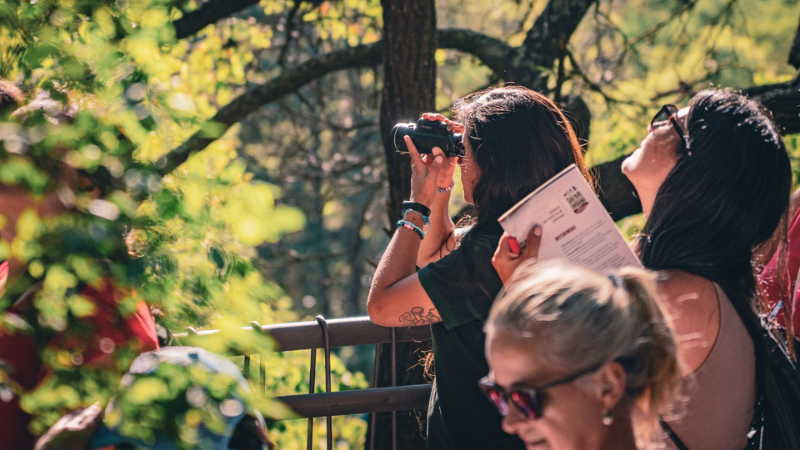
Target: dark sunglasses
668 114
526 398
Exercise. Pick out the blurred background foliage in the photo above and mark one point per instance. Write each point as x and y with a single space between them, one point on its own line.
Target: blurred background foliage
284 217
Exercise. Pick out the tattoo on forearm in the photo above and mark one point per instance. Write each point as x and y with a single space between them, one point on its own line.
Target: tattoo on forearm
417 316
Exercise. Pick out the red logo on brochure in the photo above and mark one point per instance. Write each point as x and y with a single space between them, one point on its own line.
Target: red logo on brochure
576 200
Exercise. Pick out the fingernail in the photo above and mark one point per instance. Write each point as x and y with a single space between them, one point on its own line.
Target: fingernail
438 159
537 230
513 244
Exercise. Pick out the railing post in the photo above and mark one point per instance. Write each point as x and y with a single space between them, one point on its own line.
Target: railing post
326 339
375 385
262 364
312 377
394 383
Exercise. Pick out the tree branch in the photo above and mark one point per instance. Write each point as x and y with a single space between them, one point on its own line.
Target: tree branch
214 10
487 49
492 52
782 99
286 83
546 40
614 189
206 14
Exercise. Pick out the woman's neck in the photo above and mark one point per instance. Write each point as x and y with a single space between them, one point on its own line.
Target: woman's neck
647 199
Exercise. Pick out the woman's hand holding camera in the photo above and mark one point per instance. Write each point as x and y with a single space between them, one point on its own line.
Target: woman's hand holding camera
425 173
445 179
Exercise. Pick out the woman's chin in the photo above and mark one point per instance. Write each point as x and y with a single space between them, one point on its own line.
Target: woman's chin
629 164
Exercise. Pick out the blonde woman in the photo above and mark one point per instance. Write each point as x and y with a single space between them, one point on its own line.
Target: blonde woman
579 360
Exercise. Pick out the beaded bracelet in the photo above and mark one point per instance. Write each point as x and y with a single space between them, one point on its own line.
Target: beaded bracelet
412 227
424 218
447 189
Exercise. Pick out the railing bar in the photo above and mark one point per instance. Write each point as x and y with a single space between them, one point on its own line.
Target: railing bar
358 401
303 335
375 377
246 368
394 383
351 331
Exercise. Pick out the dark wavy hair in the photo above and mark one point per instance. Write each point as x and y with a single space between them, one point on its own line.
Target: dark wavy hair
519 140
726 195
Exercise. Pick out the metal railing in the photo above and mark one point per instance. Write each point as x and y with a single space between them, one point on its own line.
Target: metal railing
327 334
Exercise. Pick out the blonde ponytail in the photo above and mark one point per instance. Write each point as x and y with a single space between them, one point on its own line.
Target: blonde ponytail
580 319
660 382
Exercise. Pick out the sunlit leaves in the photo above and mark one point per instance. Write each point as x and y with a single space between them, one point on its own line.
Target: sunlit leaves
185 243
642 60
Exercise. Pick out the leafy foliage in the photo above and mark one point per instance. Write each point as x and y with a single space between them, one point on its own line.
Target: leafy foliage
184 243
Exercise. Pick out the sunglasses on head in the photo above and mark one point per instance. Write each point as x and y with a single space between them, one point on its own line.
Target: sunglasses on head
527 399
668 114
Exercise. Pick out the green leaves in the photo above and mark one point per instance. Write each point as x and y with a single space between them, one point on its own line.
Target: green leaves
109 92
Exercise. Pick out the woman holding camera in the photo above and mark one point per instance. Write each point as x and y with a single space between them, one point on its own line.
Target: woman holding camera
515 139
714 179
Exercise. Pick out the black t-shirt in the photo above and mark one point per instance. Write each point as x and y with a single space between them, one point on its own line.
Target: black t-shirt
463 286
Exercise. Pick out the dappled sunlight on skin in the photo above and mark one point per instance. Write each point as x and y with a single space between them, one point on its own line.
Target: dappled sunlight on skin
571 413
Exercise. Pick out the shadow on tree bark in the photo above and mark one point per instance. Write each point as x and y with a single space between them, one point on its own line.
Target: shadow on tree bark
409 89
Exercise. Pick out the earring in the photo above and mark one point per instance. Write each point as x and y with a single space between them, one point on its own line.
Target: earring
608 418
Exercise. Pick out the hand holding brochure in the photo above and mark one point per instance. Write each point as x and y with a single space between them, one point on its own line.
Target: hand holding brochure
575 225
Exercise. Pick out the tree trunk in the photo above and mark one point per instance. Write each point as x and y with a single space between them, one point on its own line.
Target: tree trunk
409 85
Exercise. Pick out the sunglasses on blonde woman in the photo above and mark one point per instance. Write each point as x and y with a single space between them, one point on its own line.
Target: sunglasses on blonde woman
527 399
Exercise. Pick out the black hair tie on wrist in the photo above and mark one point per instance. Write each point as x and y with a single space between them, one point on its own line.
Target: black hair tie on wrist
418 207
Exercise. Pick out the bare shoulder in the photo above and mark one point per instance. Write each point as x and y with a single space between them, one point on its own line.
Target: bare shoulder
677 288
693 307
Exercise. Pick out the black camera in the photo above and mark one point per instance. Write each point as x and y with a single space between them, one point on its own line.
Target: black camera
427 134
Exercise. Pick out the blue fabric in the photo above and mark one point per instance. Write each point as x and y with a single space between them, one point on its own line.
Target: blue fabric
184 356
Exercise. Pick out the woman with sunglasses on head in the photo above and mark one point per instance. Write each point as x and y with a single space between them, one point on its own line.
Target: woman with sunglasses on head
515 140
714 180
587 361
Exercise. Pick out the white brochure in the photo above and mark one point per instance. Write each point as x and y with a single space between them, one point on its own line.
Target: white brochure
575 225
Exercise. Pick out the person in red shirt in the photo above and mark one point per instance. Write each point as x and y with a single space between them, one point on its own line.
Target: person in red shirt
99 334
91 339
774 289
